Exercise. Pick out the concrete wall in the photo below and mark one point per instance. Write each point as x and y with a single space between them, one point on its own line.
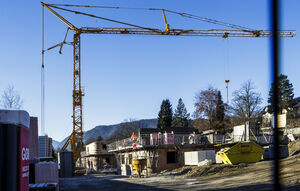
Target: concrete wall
96 155
162 160
96 148
156 160
97 162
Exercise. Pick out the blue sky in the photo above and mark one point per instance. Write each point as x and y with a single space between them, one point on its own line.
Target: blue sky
128 76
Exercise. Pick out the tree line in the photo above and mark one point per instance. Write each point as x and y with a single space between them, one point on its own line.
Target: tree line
167 120
212 113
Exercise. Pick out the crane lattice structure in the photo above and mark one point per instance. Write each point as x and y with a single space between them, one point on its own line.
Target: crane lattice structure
75 140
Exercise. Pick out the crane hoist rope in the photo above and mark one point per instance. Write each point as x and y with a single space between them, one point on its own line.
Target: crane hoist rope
43 75
226 68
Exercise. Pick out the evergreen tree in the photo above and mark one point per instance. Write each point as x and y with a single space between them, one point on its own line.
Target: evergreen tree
165 115
220 113
181 116
285 93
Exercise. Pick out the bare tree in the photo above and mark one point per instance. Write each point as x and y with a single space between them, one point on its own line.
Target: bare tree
11 99
205 104
128 127
245 103
201 124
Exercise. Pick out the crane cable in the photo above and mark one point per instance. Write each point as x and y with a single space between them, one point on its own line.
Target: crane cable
43 76
227 67
227 60
103 18
103 7
210 20
187 15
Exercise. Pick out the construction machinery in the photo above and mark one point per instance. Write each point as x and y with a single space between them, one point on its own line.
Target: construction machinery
75 140
139 165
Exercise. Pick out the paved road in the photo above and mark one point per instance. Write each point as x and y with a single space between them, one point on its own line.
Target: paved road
103 183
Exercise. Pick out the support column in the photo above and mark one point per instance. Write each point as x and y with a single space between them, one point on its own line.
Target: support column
77 135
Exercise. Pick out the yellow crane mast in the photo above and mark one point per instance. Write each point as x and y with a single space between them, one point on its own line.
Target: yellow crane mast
75 140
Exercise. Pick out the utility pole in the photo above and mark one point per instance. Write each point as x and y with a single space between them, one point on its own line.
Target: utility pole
227 82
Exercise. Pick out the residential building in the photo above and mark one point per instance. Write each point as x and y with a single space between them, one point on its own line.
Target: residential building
45 146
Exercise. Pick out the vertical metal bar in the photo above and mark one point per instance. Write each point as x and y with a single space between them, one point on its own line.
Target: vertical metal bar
43 76
275 73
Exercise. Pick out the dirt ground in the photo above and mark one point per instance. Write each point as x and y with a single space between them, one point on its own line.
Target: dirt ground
255 176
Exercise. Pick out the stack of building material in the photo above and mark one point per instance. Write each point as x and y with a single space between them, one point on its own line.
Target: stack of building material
46 172
281 120
168 138
155 138
195 157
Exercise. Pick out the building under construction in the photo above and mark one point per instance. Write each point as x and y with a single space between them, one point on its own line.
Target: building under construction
160 150
96 157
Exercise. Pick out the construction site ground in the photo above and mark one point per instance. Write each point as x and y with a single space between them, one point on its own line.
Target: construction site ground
256 176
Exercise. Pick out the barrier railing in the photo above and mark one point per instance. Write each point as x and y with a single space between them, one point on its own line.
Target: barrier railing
144 140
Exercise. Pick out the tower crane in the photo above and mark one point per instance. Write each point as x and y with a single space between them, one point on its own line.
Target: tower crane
75 140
